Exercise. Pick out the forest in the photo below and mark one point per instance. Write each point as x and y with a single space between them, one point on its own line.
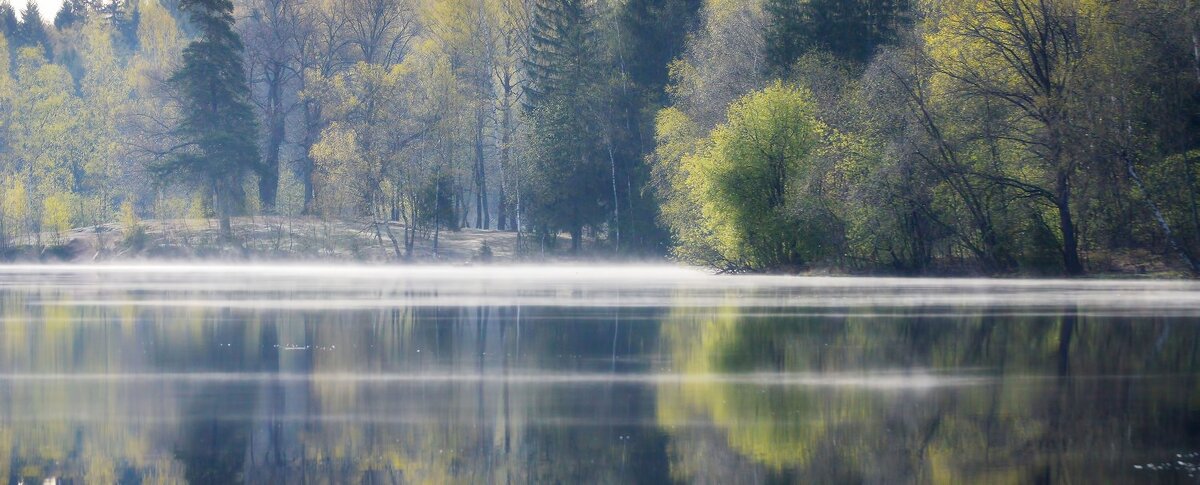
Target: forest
1055 137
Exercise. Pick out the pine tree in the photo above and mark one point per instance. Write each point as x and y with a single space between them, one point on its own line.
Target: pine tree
9 25
653 34
568 176
563 50
649 34
32 31
72 13
849 29
218 129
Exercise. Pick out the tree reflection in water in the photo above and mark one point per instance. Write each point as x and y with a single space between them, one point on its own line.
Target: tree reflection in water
103 393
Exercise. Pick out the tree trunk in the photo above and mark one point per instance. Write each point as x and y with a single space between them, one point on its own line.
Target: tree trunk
268 180
387 227
307 165
612 162
221 204
483 218
502 221
410 232
1070 240
437 212
1186 255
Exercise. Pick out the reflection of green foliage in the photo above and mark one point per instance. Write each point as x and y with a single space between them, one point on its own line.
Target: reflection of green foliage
113 444
1011 431
775 426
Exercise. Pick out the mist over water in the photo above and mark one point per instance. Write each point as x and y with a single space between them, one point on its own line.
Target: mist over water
335 374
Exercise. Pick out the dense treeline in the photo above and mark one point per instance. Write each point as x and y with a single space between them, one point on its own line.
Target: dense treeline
495 114
998 136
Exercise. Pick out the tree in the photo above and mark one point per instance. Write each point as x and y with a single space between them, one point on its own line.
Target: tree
567 174
755 184
468 29
105 94
1023 56
394 140
10 27
270 35
32 32
849 29
72 13
321 50
44 152
959 159
380 30
217 130
12 203
724 60
512 35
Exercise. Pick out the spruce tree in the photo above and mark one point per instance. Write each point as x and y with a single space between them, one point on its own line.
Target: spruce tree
72 13
569 176
217 130
32 31
849 29
9 25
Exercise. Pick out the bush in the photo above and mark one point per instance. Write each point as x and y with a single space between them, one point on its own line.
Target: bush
485 252
135 232
756 183
56 214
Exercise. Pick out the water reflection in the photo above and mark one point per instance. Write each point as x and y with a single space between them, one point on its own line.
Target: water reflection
321 375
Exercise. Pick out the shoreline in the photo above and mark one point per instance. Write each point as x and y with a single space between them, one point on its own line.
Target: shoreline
278 240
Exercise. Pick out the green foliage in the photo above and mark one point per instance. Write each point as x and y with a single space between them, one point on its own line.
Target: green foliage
849 29
961 135
756 183
32 31
14 209
567 179
135 232
9 25
56 214
218 130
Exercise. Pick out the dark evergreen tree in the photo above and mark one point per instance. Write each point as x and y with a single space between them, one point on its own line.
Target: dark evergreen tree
652 35
849 29
72 13
124 17
568 180
32 31
649 35
218 131
9 25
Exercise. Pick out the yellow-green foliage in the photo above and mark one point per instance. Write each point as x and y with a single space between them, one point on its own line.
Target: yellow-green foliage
14 208
376 105
129 218
753 182
56 213
677 137
196 208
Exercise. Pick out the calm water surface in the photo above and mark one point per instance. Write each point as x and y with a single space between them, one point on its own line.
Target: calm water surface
258 374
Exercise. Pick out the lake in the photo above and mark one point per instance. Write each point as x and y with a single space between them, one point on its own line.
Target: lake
394 374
